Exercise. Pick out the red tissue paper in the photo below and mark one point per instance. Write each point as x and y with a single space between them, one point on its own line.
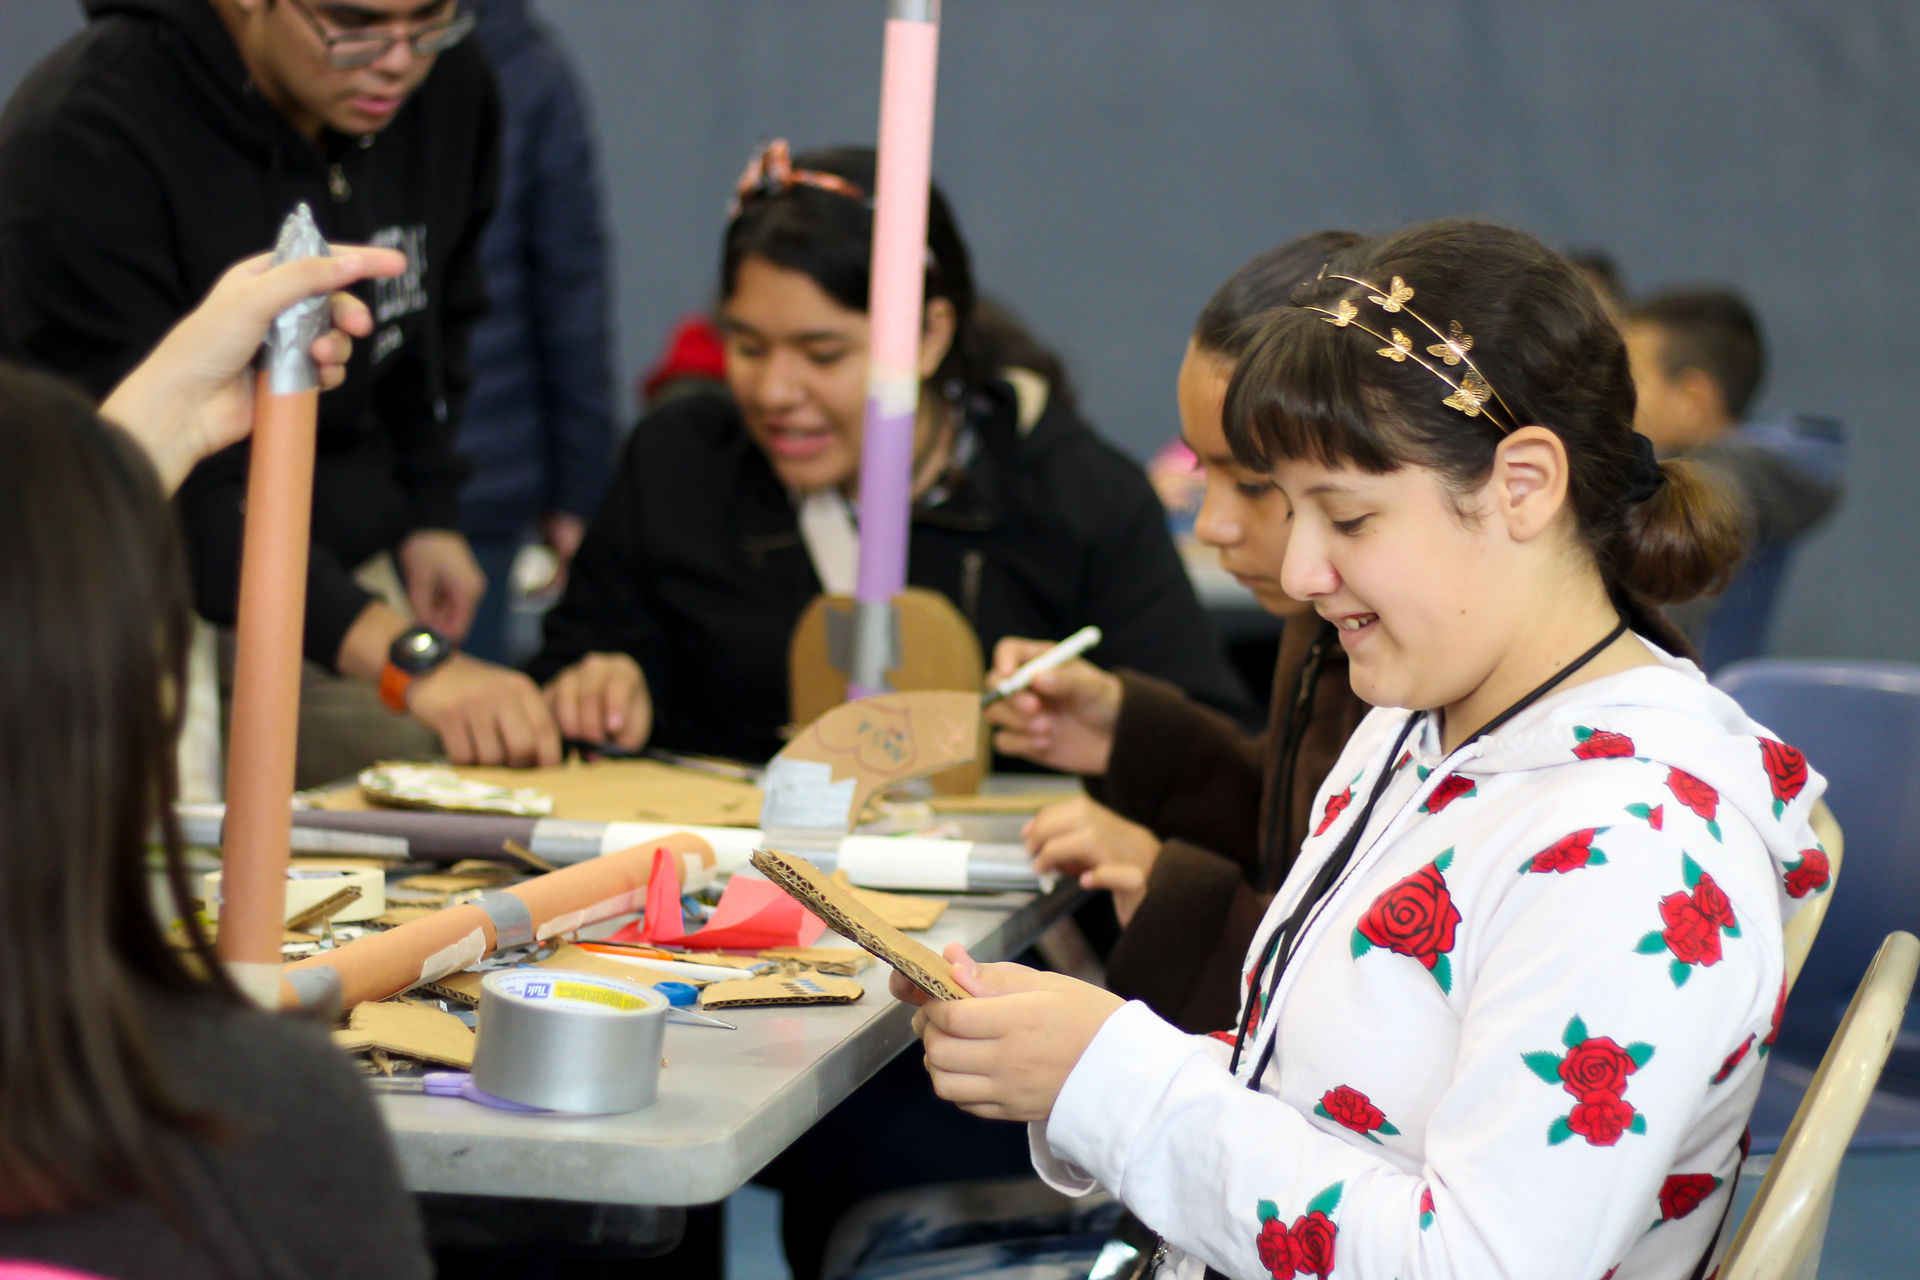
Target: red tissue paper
752 916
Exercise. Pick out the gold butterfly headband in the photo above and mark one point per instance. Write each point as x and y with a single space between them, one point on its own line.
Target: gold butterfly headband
1472 394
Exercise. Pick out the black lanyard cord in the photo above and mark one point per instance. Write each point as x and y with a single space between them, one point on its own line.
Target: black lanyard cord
1281 946
1268 856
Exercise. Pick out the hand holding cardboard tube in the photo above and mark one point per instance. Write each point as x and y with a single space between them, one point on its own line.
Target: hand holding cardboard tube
194 393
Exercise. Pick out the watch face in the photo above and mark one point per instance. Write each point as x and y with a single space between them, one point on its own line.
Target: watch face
419 649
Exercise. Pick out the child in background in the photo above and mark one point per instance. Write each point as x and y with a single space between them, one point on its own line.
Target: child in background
1698 360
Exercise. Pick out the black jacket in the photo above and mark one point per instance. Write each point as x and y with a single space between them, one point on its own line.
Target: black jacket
137 163
696 567
539 424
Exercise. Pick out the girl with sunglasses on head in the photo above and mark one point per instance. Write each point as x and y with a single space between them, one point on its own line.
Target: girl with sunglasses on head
152 1124
1508 1012
730 512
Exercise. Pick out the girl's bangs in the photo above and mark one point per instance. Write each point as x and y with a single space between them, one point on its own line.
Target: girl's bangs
1298 395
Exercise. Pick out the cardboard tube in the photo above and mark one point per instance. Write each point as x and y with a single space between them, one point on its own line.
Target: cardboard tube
266 682
903 177
384 964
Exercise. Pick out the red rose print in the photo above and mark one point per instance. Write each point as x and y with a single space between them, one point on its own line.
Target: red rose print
1336 805
1779 1012
1596 1065
1691 937
1310 1243
1682 1193
1693 793
1275 1256
1426 1201
1602 744
1352 1108
1711 899
1451 788
1733 1060
1810 874
1601 1118
1415 917
1569 853
1786 771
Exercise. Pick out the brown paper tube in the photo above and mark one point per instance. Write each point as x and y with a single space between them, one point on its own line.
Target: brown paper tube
384 964
266 685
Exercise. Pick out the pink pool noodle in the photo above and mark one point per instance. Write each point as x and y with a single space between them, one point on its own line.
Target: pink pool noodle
905 172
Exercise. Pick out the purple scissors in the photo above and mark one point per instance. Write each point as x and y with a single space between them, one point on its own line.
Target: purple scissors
446 1084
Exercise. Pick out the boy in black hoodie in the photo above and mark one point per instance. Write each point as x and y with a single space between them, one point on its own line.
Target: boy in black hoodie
169 139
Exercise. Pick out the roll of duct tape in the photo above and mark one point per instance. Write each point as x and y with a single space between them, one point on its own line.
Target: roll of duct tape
569 1041
313 880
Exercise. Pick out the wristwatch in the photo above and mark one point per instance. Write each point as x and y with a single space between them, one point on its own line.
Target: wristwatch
414 653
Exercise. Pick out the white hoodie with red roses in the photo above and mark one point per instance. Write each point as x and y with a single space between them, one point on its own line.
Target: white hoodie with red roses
1519 1038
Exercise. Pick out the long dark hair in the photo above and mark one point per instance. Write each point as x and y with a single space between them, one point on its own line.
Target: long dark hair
828 237
93 626
1310 389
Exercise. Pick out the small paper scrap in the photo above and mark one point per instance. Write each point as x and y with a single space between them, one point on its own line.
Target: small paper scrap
416 786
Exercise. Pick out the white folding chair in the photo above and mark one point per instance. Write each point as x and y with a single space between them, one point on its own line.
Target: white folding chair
1782 1233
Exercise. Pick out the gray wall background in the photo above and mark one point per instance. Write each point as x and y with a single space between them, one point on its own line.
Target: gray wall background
1112 160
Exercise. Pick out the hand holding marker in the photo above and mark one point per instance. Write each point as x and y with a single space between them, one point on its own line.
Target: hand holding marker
1061 654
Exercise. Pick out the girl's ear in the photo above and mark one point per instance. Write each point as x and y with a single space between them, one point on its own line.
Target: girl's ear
1528 487
936 336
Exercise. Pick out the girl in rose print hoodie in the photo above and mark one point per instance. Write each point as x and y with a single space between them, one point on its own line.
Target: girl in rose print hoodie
1508 1014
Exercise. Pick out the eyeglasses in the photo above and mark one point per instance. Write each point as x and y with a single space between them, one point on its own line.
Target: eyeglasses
352 49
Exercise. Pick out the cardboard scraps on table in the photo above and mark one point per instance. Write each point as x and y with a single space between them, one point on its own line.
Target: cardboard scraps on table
393 785
407 913
841 961
911 912
446 882
855 921
751 915
465 987
322 911
415 1030
611 791
808 986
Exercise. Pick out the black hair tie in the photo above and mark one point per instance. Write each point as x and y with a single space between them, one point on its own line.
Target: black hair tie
1644 476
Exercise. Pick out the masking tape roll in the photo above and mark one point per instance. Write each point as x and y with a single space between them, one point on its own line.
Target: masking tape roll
569 1041
313 880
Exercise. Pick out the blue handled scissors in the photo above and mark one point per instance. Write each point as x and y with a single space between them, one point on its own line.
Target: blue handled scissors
681 994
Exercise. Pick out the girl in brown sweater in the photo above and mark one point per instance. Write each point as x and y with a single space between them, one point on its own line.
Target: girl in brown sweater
1189 821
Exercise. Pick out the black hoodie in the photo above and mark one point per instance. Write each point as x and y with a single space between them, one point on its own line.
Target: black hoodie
138 162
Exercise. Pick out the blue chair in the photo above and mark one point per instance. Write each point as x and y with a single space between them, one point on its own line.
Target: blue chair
1742 619
1859 725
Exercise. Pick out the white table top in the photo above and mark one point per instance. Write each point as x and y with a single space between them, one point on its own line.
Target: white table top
729 1100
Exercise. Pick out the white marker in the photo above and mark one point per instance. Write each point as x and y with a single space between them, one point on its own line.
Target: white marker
1064 652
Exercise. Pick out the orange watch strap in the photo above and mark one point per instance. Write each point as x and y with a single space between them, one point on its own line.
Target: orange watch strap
393 688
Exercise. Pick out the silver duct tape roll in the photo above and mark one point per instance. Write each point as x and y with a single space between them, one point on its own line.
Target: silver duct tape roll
569 1041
